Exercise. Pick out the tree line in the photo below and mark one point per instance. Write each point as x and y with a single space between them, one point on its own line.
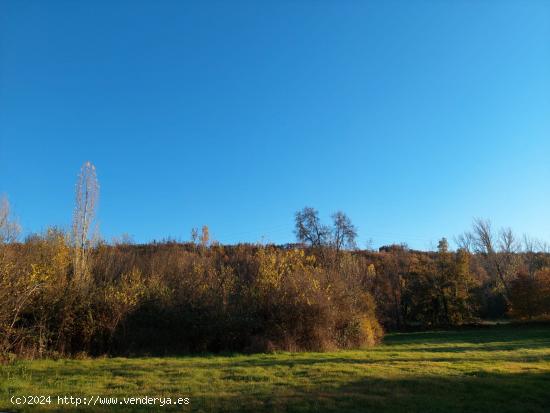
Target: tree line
70 292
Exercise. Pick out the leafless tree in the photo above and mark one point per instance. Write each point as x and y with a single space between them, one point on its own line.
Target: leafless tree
533 245
530 245
465 241
194 235
507 241
309 228
483 239
9 229
343 232
501 260
86 198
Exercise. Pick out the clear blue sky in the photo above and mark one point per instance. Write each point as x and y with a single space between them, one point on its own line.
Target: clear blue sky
412 117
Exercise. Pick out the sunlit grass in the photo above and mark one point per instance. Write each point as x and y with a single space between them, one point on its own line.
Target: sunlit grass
494 369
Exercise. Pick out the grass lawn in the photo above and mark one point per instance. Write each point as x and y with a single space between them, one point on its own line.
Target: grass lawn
492 369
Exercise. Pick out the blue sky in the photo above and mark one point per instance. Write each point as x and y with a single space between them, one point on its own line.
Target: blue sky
412 117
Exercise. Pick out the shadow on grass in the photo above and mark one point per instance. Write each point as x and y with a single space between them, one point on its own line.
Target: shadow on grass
480 392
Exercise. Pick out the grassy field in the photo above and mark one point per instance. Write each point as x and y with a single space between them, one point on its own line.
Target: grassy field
493 369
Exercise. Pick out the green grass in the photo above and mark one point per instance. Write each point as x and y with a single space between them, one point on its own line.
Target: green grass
493 369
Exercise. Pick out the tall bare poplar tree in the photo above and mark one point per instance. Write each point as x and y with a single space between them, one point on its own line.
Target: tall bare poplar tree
86 197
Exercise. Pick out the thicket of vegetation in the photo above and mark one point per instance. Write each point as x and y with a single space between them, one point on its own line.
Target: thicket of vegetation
179 298
68 292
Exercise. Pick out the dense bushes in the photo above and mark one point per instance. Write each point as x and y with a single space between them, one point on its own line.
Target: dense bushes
173 298
530 294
